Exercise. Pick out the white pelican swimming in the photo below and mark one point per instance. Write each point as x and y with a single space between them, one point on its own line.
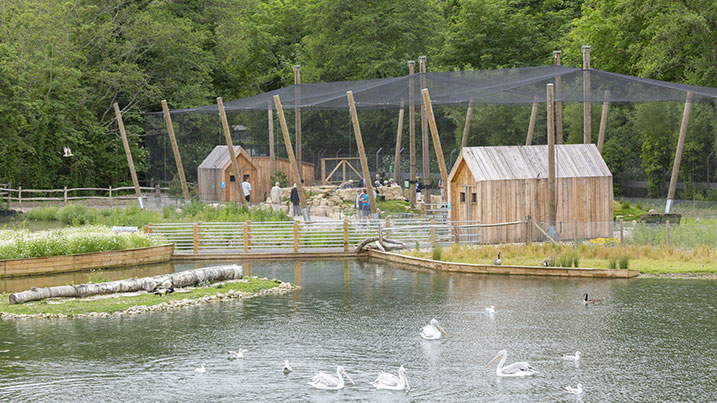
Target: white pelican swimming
490 310
516 369
200 370
391 381
330 382
568 357
432 331
575 391
233 355
287 367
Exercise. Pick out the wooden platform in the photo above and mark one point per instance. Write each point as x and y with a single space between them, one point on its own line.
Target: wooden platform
85 261
491 269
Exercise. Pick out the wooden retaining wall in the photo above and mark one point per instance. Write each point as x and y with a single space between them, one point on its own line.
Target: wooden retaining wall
85 261
491 269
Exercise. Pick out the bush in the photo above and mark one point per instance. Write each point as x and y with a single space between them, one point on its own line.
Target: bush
437 253
612 263
624 261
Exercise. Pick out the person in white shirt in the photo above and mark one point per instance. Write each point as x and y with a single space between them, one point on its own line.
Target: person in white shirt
247 187
276 197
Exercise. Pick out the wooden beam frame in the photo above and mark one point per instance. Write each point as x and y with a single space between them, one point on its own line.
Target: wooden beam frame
290 151
467 125
232 154
362 152
678 153
397 157
425 148
411 135
552 208
603 121
558 105
272 152
436 140
175 150
297 117
127 151
531 124
587 119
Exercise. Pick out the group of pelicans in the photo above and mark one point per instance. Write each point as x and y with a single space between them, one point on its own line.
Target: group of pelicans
432 331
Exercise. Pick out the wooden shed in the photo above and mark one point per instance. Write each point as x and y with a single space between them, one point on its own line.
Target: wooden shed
215 175
509 183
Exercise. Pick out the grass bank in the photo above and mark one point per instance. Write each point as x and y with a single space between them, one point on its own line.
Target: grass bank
111 304
646 259
77 214
20 244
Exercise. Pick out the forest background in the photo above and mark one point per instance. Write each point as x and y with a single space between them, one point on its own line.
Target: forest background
64 63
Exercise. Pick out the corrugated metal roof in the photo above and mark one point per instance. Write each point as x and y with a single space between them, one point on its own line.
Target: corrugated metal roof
217 158
525 162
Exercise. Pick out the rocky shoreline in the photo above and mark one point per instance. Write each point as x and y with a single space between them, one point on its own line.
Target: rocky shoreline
282 288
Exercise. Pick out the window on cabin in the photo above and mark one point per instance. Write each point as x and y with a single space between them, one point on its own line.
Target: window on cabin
463 197
474 198
232 178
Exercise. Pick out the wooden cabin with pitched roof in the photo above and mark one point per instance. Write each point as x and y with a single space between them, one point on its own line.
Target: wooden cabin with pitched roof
510 183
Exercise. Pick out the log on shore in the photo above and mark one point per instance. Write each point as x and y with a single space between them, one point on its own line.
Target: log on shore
174 280
384 245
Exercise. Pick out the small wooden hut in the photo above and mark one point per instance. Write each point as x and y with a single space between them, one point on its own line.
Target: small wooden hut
509 183
216 181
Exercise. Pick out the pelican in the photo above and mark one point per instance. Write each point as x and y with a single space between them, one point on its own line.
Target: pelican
68 152
391 381
516 369
490 310
432 331
200 370
575 391
497 261
233 355
587 301
287 367
575 357
329 382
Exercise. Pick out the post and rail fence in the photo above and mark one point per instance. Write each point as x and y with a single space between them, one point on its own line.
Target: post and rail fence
65 195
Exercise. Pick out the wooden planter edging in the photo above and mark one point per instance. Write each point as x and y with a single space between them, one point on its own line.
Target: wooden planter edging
263 256
85 261
490 269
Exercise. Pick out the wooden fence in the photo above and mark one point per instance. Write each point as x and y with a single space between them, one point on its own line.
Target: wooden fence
65 195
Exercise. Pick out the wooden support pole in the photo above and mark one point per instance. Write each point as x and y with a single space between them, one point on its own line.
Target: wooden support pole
436 140
64 195
127 151
272 151
346 234
296 233
603 121
297 116
621 231
467 125
397 157
587 121
528 230
246 237
552 210
323 172
232 154
362 152
149 228
678 152
200 235
195 239
558 105
175 150
388 227
290 151
411 135
343 171
19 196
425 194
531 124
433 233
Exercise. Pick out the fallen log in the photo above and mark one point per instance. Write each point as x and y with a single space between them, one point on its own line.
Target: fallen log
384 245
174 280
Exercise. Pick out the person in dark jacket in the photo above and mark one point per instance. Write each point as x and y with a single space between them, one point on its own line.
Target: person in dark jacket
295 200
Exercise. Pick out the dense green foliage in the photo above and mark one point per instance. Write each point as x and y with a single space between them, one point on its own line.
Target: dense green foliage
63 65
17 244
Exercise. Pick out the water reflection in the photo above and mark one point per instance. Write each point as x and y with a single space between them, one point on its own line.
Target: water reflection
651 340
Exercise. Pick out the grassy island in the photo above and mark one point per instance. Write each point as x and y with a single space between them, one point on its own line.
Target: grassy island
135 303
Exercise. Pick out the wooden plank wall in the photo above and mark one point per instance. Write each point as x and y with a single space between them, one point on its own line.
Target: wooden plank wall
263 186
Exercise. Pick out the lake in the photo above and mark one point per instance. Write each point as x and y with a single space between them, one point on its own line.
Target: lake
650 340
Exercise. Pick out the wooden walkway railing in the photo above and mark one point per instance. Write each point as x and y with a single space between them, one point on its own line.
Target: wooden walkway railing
67 194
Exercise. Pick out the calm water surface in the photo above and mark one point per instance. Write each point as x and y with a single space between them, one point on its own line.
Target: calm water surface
652 340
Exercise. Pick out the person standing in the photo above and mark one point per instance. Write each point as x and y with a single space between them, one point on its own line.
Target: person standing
365 205
247 187
295 200
276 197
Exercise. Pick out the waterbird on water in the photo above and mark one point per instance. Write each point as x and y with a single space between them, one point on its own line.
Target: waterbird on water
329 382
200 370
575 391
392 382
233 355
587 301
498 261
490 310
432 331
287 367
568 357
516 369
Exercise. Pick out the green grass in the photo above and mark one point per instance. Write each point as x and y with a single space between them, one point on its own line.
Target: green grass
688 234
646 259
628 211
395 206
19 244
116 304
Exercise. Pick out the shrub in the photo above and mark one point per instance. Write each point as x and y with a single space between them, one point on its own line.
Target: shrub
576 260
624 261
612 263
437 253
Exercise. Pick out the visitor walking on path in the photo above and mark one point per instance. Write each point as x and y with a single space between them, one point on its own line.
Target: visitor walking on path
247 187
295 200
276 197
365 205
